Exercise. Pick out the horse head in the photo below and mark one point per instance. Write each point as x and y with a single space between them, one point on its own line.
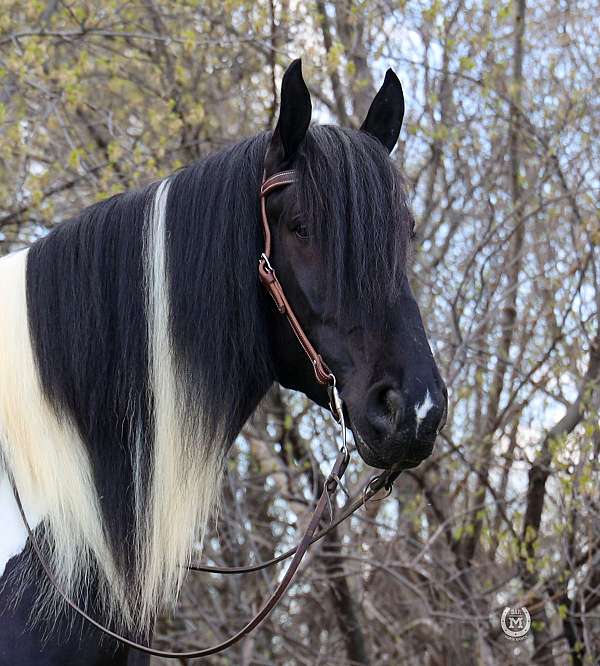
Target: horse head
340 242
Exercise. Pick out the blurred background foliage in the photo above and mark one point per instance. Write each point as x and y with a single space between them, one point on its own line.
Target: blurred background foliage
500 149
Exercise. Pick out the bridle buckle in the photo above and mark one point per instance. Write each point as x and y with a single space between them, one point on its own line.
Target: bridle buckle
266 263
335 402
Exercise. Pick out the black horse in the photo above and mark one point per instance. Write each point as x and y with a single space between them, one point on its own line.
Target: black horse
136 341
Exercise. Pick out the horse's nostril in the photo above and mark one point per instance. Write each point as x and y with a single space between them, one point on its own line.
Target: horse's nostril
394 403
392 412
385 408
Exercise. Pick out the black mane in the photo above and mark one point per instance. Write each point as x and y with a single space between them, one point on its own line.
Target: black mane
214 241
87 322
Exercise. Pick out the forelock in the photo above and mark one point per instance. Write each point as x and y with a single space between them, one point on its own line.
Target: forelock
353 198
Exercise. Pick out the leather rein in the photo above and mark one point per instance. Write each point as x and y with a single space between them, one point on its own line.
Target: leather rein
324 376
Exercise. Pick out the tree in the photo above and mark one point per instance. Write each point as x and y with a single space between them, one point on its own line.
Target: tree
499 153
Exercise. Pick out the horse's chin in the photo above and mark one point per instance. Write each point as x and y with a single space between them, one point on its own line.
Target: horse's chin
369 456
393 455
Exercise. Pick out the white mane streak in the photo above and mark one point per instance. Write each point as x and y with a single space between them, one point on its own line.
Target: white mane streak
52 470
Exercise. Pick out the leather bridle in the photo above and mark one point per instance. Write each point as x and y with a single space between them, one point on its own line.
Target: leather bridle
267 276
324 376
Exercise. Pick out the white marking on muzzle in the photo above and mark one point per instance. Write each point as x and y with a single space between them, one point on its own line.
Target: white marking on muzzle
423 409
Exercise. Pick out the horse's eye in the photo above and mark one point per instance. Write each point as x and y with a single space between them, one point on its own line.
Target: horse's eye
301 230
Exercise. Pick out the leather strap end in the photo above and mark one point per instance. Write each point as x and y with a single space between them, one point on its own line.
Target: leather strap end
271 284
279 302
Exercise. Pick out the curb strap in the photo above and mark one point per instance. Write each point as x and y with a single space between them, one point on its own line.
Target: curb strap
271 283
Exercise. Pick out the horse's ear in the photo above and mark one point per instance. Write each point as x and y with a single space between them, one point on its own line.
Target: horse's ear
384 118
294 118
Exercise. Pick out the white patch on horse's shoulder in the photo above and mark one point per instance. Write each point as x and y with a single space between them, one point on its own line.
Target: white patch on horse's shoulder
13 535
422 410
